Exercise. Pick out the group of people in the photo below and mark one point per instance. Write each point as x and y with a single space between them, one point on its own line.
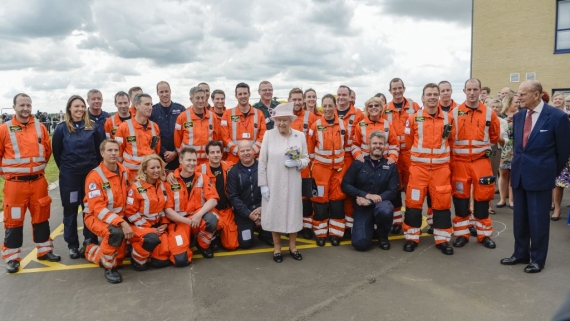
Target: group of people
152 177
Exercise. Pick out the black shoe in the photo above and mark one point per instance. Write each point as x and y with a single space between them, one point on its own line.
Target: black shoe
266 240
113 276
321 241
555 218
13 266
307 233
335 241
216 244
296 255
533 268
460 241
347 234
74 253
206 253
139 267
384 244
396 229
445 248
488 243
49 256
410 246
430 230
277 257
473 231
514 260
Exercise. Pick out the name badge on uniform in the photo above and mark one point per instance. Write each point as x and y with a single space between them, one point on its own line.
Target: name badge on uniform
462 113
106 185
188 124
176 112
245 135
15 128
131 139
113 131
420 119
175 187
321 128
385 166
362 124
141 190
235 118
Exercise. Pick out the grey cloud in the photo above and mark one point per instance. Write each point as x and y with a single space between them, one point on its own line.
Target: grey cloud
335 15
40 18
47 81
457 11
40 55
233 21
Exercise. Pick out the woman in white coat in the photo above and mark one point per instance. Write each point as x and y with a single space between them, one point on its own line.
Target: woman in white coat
283 155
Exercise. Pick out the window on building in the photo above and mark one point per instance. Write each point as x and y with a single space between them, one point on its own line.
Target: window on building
562 39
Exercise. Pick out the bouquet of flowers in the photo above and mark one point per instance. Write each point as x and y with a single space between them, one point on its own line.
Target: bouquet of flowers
293 153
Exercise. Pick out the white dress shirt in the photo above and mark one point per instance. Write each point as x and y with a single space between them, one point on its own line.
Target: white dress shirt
537 111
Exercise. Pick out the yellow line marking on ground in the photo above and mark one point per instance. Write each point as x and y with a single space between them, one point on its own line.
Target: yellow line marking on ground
56 266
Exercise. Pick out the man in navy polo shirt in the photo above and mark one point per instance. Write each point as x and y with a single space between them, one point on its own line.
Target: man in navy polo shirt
96 113
164 114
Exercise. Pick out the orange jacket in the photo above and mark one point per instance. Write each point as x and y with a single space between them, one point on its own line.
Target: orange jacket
24 149
236 126
111 125
398 119
202 191
361 145
425 136
193 131
135 142
327 143
477 129
304 121
146 203
350 119
106 193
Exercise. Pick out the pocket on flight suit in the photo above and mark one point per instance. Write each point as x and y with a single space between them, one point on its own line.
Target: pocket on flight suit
415 196
179 242
44 211
441 197
14 215
484 192
461 188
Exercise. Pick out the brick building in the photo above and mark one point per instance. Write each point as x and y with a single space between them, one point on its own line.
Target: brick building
515 40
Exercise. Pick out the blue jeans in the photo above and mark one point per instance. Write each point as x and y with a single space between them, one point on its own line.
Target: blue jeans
365 217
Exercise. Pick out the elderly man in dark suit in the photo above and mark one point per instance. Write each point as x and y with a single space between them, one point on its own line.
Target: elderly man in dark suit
541 150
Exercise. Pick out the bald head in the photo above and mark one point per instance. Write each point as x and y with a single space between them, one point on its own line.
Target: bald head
245 152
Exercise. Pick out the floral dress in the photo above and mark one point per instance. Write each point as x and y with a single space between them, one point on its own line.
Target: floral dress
564 179
507 150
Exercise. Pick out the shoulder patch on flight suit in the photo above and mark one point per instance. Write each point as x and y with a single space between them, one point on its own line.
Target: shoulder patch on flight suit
461 113
16 128
419 119
130 192
175 187
92 186
321 128
362 124
131 139
234 118
106 185
141 190
188 124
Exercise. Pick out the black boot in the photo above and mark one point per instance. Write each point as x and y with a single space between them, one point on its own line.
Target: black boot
13 266
74 253
113 276
445 248
396 229
49 256
307 233
321 241
206 253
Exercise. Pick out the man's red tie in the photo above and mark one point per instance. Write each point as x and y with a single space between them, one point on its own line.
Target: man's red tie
527 126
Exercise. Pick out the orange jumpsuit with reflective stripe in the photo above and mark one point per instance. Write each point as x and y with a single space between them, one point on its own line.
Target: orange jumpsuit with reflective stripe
105 197
350 119
477 130
135 140
303 123
397 118
25 150
362 133
145 211
226 223
192 131
326 146
430 151
236 126
111 125
217 124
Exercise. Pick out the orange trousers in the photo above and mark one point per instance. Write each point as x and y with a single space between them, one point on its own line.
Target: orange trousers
19 196
435 180
108 255
228 229
329 217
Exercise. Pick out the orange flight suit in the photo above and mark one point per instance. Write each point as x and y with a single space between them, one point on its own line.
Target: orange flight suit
135 143
362 133
397 118
105 197
111 125
25 150
477 129
326 146
430 139
236 126
145 211
193 131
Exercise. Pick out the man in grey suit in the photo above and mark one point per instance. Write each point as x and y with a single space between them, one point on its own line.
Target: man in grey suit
541 150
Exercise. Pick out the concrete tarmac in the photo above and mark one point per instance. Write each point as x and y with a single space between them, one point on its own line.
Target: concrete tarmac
331 283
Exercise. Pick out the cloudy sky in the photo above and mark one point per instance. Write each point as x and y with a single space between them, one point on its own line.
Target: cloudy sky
54 49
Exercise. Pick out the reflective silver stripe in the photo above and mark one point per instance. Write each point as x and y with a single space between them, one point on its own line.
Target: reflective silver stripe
109 191
40 138
9 161
190 128
487 121
13 139
410 109
390 117
437 151
146 206
320 136
349 131
133 143
234 127
177 201
428 160
337 160
203 168
131 166
110 218
255 120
